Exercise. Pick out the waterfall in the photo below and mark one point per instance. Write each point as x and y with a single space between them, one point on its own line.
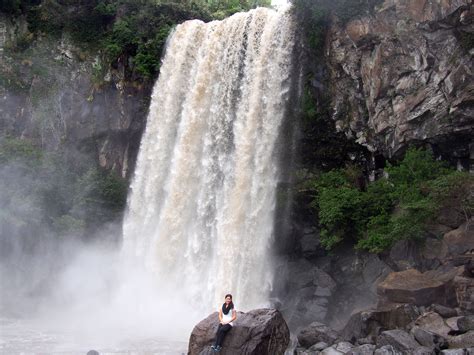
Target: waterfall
201 207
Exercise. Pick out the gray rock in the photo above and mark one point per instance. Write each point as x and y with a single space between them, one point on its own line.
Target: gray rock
443 311
429 339
343 346
433 322
366 349
465 323
423 350
319 346
422 289
370 322
399 339
454 352
258 332
311 245
317 332
395 74
465 340
387 350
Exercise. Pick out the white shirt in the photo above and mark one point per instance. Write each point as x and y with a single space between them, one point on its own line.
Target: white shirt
226 318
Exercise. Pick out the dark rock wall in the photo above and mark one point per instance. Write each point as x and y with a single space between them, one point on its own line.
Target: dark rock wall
404 76
63 97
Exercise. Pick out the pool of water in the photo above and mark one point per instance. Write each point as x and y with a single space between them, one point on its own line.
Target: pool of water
33 337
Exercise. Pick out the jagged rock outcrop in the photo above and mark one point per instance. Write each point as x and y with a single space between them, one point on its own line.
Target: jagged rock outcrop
258 332
404 74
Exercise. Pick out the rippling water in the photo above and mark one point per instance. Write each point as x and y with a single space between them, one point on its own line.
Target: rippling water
33 337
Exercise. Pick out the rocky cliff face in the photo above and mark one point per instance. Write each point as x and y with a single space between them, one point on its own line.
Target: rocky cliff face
61 96
404 75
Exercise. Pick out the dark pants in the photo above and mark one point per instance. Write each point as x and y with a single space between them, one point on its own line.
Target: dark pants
221 332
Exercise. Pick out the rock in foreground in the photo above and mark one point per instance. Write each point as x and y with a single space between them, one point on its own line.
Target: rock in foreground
258 332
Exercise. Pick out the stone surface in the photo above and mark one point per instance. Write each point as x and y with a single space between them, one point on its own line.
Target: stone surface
387 350
465 323
460 240
372 322
433 323
258 332
366 349
454 352
445 312
319 346
316 332
429 339
399 340
464 290
399 76
465 340
423 289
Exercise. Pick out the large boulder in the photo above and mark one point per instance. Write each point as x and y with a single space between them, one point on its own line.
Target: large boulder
434 323
258 332
422 289
429 339
399 340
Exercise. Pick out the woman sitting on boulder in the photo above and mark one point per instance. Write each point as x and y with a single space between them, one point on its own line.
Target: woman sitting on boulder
227 315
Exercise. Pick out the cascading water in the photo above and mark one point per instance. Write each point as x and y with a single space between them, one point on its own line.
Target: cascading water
200 212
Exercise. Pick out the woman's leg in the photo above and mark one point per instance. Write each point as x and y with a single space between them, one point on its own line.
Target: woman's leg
221 332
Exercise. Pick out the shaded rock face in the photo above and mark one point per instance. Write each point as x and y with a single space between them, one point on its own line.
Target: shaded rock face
61 97
403 75
258 332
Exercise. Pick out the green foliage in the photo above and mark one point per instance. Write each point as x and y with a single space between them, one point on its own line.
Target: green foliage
131 32
392 208
54 193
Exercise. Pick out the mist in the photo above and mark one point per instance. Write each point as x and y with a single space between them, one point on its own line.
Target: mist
65 285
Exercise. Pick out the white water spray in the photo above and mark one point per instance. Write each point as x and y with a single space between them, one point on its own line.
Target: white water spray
200 213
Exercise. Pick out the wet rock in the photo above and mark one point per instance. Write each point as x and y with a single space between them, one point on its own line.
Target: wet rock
366 349
433 323
387 350
423 350
445 312
465 340
319 346
398 339
455 352
429 339
460 240
258 332
317 332
371 322
465 323
464 290
311 245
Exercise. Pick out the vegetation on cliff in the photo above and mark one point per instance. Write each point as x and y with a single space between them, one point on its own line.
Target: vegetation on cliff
401 205
130 32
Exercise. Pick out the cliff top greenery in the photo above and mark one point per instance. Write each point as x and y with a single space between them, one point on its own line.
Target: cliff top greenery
131 32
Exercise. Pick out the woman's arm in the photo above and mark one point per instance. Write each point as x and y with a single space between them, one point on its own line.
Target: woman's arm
234 315
220 316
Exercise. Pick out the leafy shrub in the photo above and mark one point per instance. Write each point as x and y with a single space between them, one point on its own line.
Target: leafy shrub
396 207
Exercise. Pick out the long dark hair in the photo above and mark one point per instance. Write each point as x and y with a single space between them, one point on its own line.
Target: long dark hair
225 308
